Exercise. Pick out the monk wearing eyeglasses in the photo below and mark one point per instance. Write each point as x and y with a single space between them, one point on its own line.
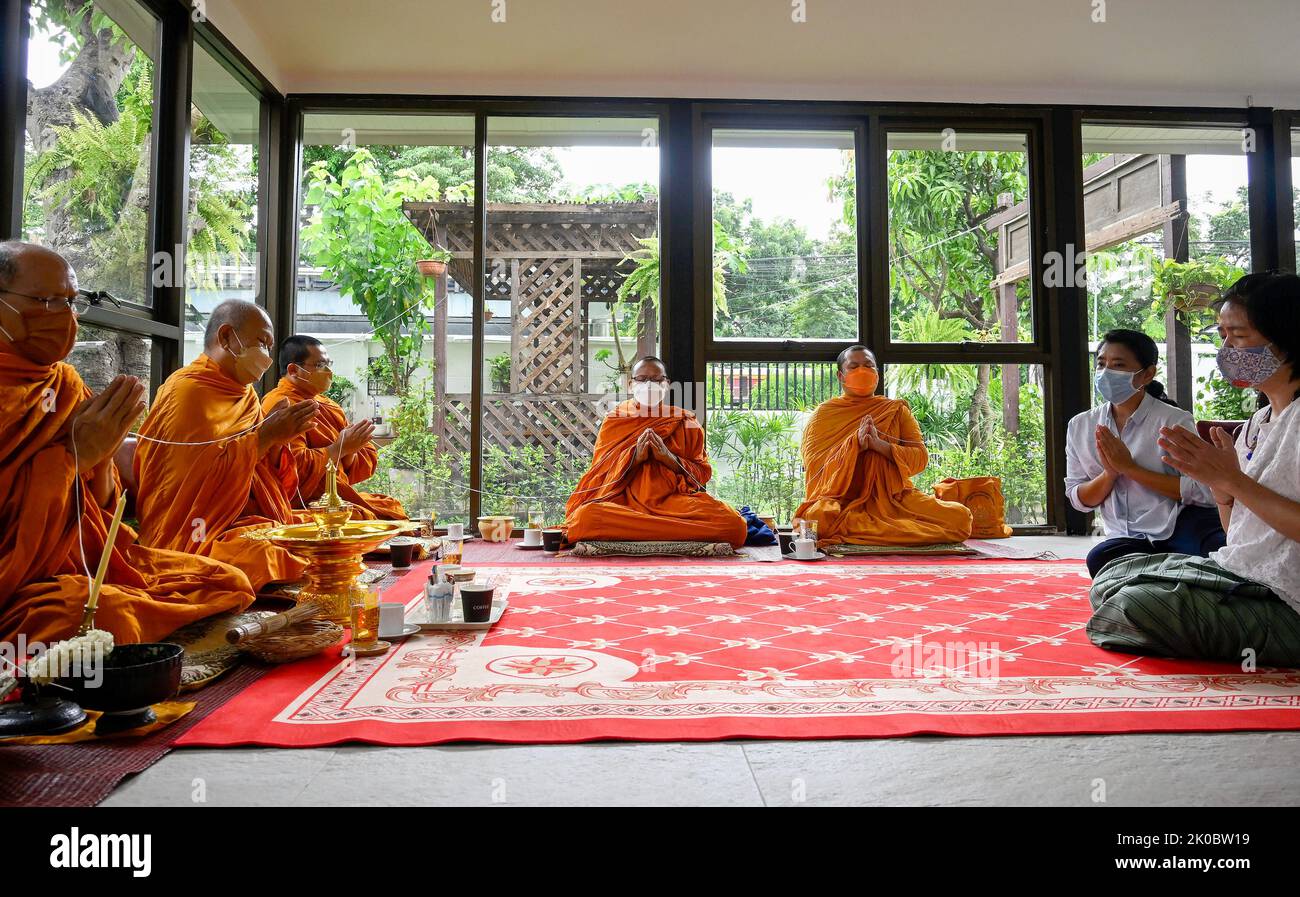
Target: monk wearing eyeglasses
306 372
648 473
211 464
59 485
860 451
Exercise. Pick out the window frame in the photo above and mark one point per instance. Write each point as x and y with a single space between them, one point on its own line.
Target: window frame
685 189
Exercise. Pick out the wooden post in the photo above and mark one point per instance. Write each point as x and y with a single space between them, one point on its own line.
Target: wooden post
440 353
1178 339
1010 372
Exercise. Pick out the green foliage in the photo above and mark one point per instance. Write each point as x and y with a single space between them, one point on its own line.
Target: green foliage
760 452
100 161
1191 287
518 478
342 390
410 468
500 366
1217 399
360 236
941 255
60 22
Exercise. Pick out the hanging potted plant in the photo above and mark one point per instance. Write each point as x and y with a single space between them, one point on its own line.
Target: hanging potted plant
1192 288
436 264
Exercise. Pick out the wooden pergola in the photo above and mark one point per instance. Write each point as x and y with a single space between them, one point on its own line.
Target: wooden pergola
550 260
1124 197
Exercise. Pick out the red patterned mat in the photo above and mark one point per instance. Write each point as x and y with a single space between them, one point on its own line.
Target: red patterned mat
710 651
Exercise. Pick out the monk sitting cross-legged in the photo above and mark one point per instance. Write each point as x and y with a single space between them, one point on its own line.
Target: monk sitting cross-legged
305 374
859 452
647 475
58 483
210 464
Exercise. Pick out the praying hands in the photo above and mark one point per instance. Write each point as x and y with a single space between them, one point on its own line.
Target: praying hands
1213 463
649 444
869 438
352 439
1114 455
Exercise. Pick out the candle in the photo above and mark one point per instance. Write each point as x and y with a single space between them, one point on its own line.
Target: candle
92 601
331 484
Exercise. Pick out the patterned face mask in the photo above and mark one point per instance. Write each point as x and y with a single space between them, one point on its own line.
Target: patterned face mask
1247 366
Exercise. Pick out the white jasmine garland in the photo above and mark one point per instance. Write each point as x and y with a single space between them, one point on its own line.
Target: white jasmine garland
80 653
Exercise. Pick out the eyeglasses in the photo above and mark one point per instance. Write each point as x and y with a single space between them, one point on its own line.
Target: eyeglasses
644 379
321 366
78 305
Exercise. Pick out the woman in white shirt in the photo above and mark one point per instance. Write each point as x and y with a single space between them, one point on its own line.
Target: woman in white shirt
1114 463
1242 604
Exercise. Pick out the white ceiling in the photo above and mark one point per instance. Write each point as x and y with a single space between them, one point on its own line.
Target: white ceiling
1147 52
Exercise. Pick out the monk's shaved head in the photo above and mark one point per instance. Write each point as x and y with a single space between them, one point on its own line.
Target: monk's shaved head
848 353
235 312
653 361
19 260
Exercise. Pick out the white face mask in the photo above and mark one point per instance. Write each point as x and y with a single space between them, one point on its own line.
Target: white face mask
649 394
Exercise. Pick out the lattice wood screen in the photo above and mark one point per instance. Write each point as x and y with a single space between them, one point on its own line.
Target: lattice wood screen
548 323
566 424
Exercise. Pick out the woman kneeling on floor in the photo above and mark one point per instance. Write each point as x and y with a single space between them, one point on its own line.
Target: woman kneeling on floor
1113 462
1242 603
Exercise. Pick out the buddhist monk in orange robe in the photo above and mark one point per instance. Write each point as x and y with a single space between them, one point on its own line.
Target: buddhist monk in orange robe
305 373
860 451
58 483
235 471
647 475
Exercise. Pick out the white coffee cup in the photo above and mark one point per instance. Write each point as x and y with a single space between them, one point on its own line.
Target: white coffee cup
532 537
804 549
392 618
455 531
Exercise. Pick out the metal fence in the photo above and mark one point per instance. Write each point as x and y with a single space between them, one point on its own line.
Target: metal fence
770 385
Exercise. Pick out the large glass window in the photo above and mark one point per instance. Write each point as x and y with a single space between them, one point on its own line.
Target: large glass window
221 238
90 111
101 354
1295 186
384 277
980 420
1167 228
785 256
572 296
959 237
756 415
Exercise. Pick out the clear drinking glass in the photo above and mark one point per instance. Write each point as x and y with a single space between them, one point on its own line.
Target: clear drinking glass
365 616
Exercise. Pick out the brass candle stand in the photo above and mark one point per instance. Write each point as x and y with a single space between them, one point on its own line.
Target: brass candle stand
332 545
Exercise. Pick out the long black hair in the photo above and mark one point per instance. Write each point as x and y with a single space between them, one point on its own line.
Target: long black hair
1145 351
1272 304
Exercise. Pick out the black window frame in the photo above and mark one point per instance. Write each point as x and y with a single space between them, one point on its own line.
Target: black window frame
685 142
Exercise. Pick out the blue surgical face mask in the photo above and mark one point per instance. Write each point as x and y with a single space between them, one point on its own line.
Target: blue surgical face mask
1115 386
1247 366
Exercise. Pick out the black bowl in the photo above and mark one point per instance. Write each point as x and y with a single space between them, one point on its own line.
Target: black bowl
134 678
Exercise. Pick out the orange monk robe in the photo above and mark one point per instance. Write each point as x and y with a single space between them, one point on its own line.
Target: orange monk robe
45 555
310 454
862 497
653 501
202 498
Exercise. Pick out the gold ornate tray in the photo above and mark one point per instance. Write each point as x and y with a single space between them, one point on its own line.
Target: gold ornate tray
334 557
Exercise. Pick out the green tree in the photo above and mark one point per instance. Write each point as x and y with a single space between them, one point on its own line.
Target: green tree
360 236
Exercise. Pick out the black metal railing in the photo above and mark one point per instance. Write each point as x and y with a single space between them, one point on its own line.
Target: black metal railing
770 385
